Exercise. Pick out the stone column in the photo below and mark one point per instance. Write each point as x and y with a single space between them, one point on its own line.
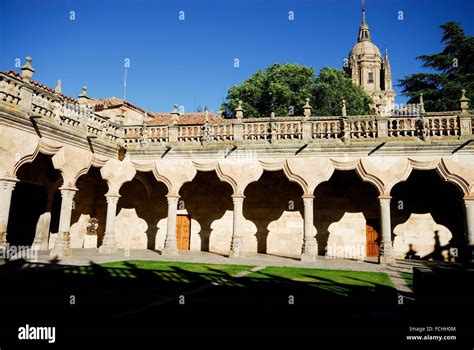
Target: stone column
170 247
237 244
387 255
469 204
6 189
310 247
62 246
109 245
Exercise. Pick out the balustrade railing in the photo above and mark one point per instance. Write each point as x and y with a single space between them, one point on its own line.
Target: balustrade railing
441 126
363 128
328 129
9 89
406 123
400 127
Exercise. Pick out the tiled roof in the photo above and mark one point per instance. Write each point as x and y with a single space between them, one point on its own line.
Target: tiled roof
188 118
111 102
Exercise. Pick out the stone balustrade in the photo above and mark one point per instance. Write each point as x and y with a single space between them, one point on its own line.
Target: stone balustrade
403 127
363 127
9 89
442 125
190 133
328 129
39 101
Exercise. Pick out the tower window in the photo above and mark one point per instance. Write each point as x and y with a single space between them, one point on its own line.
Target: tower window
370 78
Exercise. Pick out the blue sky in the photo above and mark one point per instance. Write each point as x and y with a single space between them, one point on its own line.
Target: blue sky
191 61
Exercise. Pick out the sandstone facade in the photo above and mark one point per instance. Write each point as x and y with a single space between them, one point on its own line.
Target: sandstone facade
292 186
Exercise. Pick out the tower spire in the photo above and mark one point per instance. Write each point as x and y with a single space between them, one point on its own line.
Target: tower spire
364 33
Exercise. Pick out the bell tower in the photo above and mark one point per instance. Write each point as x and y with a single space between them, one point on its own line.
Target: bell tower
368 69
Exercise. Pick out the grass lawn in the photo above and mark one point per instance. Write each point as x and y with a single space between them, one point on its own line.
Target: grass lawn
340 282
325 276
132 292
213 269
335 284
164 270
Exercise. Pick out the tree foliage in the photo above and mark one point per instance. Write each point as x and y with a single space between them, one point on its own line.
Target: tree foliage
332 86
283 89
450 71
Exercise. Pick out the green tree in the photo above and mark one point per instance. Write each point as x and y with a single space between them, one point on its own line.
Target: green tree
450 71
283 89
332 86
275 89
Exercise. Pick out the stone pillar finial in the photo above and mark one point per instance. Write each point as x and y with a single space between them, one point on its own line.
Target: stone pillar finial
422 105
58 88
344 110
307 109
464 102
272 115
239 111
174 114
83 95
27 70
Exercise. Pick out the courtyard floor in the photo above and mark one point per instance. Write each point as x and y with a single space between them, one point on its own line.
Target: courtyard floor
143 293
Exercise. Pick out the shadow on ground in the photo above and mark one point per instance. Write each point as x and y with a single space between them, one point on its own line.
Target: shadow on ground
174 300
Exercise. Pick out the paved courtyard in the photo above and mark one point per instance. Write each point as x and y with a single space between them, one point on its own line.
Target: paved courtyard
86 256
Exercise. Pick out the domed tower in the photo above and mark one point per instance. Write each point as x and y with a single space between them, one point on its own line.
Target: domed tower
368 69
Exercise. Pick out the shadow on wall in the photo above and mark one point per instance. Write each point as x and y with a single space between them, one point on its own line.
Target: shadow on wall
266 201
206 198
344 192
89 202
147 196
426 197
35 194
439 252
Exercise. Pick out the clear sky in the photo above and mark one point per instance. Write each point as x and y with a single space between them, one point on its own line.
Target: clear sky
191 61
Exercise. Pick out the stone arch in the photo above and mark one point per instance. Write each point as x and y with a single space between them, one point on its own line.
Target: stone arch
308 172
462 175
174 173
208 201
89 202
34 206
24 155
147 196
239 174
425 202
73 162
274 205
345 202
116 173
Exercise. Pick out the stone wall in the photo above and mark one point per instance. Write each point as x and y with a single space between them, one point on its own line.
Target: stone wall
90 200
342 207
425 209
148 197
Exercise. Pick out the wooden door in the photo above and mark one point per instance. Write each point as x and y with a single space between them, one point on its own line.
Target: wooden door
183 231
372 245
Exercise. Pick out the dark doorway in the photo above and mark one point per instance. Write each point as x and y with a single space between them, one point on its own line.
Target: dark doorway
28 203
